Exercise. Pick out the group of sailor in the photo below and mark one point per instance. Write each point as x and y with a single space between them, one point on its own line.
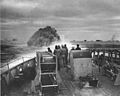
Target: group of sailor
77 48
62 55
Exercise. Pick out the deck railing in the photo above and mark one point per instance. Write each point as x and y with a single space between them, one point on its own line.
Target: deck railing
14 63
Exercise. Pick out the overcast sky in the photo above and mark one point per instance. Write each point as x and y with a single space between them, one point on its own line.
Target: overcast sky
75 19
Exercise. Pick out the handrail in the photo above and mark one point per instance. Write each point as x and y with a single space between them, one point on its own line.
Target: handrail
20 61
11 61
6 63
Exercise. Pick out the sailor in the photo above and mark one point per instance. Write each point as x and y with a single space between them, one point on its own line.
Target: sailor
63 53
57 52
100 63
60 62
73 48
49 50
78 48
66 55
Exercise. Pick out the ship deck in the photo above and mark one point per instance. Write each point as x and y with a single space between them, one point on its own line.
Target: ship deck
69 87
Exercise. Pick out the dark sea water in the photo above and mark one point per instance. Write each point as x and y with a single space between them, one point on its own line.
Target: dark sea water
9 53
